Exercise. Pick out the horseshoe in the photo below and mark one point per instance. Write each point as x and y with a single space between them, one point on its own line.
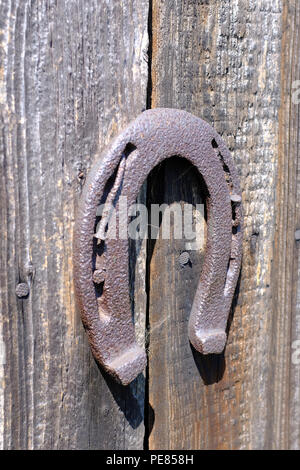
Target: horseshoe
102 281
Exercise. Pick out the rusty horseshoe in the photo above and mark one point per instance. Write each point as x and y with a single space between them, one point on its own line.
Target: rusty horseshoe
102 280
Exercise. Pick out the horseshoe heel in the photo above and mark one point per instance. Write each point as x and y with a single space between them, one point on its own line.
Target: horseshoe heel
102 280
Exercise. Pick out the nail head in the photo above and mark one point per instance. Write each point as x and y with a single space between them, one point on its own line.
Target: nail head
184 258
22 290
235 198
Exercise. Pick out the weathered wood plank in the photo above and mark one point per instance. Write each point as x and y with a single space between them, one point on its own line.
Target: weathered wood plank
226 62
286 330
171 289
73 73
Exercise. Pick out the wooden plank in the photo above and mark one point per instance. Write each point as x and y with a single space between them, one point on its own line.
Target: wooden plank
171 289
228 62
72 75
286 336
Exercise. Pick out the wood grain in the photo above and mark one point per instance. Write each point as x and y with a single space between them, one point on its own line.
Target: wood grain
231 62
73 73
286 336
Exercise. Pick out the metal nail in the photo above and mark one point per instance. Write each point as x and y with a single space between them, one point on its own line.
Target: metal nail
22 290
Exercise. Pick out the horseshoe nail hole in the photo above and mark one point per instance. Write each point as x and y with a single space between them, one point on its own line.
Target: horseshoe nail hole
233 208
129 149
214 144
99 289
236 230
98 250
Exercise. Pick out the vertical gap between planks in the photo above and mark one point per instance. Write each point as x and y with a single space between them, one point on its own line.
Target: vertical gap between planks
147 286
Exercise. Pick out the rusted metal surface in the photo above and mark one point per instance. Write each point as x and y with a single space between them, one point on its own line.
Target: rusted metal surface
101 271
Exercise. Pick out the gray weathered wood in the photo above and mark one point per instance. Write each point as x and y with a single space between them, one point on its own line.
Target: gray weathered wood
73 73
286 344
232 63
